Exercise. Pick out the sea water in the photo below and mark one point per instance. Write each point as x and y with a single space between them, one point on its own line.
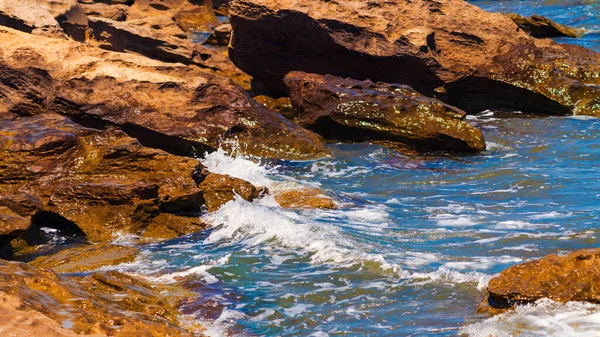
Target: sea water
414 241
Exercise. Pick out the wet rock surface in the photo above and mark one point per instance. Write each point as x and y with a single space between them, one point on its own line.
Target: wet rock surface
302 198
178 108
219 189
573 277
93 182
351 110
101 303
470 61
86 258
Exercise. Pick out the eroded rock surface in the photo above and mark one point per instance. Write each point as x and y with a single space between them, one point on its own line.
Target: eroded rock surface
346 109
101 303
474 61
100 182
573 277
177 108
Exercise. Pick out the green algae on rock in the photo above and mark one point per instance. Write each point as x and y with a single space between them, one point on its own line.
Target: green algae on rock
346 109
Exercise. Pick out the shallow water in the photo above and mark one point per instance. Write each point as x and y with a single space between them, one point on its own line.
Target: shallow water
575 13
414 242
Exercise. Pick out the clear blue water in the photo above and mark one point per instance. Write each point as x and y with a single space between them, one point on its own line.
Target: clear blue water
414 241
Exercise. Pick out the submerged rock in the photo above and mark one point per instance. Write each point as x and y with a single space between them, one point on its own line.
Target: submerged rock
573 277
475 62
177 108
101 303
541 27
351 110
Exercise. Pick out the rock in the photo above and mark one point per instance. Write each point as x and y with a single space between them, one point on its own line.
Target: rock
101 303
283 105
175 17
28 16
121 37
12 226
221 7
574 277
97 183
180 109
70 16
475 62
168 226
219 189
541 27
304 198
351 110
220 35
86 258
19 321
45 17
23 204
112 12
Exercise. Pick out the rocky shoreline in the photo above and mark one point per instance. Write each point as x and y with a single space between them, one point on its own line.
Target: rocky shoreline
106 106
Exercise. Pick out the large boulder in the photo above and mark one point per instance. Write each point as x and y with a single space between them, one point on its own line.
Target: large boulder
181 109
465 56
573 277
396 115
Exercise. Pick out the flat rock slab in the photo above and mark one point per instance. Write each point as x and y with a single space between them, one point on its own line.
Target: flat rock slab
86 258
573 277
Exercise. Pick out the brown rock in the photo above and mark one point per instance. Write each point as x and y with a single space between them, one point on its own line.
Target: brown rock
98 182
283 105
574 277
541 27
304 198
103 10
45 17
475 62
19 321
221 7
86 258
28 16
219 189
122 36
180 109
175 17
105 303
11 223
168 226
346 109
220 35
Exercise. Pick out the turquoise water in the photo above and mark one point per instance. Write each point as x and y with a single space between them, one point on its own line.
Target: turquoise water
414 241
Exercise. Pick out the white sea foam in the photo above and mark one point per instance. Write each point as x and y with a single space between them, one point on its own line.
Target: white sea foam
447 275
544 318
550 215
